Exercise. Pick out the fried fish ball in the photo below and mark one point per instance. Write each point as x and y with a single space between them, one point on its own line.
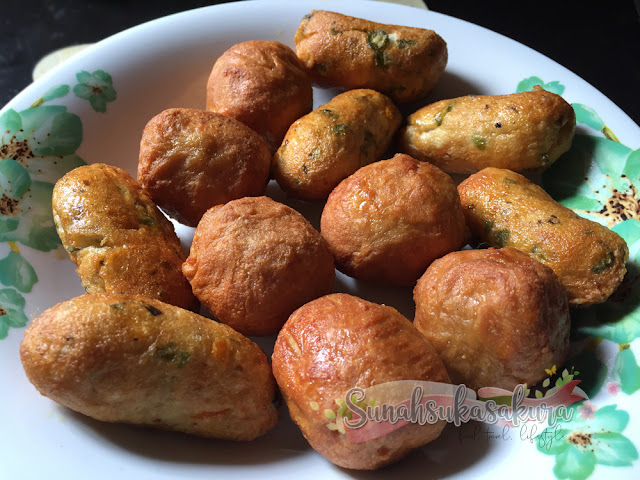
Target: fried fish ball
524 131
497 318
264 85
388 221
254 261
330 143
505 209
339 342
402 62
191 160
117 237
131 359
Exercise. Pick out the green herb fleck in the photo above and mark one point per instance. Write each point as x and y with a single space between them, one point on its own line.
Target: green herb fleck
377 39
321 67
439 117
479 141
147 220
382 59
537 252
170 353
404 43
313 154
333 29
368 141
604 264
73 249
340 129
510 181
330 113
501 237
587 232
117 305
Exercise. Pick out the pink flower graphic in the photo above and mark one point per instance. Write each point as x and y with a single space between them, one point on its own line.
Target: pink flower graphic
613 388
587 410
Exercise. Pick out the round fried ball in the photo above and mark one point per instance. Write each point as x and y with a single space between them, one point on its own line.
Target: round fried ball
339 342
498 318
254 261
262 84
191 160
388 221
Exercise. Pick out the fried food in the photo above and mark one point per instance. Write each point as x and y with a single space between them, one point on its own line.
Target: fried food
117 237
262 84
191 160
523 132
388 221
497 318
402 62
254 261
329 144
131 359
505 209
339 342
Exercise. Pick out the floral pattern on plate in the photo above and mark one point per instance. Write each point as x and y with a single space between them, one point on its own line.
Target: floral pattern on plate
598 178
38 146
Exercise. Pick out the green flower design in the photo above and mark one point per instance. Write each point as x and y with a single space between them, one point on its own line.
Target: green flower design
593 436
605 191
528 84
11 311
626 369
16 272
97 87
599 178
38 147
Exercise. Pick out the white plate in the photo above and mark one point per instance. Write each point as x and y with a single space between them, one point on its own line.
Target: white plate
165 63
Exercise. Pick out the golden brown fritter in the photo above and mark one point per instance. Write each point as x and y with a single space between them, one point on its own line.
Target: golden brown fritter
388 221
402 62
191 160
117 237
497 318
131 359
505 209
339 342
254 261
262 84
525 131
329 144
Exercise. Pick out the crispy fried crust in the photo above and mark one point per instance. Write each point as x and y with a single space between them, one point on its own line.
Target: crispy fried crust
191 160
402 62
254 261
329 144
117 237
338 342
262 84
388 221
525 131
131 359
497 318
503 208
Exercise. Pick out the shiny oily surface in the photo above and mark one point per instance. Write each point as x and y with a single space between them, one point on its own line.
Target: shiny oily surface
524 132
505 209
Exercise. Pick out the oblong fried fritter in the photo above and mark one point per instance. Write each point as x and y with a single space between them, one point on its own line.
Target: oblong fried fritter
132 359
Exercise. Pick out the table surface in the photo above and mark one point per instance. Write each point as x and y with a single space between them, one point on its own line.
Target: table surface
598 41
